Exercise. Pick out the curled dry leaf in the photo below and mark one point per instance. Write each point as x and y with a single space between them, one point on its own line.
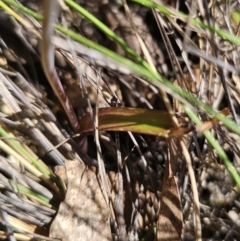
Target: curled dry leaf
84 214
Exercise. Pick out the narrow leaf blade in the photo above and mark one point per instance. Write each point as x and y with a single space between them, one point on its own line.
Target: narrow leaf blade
143 121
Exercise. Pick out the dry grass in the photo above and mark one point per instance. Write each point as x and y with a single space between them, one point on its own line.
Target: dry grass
36 135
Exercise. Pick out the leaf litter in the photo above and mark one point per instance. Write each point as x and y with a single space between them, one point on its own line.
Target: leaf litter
148 188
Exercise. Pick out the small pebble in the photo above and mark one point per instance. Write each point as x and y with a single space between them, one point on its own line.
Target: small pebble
233 215
206 221
224 230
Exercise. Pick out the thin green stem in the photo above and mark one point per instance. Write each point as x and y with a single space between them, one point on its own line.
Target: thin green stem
147 73
141 68
106 30
31 193
17 146
215 145
195 22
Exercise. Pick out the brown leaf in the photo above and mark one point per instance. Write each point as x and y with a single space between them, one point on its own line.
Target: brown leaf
169 225
84 215
144 121
209 124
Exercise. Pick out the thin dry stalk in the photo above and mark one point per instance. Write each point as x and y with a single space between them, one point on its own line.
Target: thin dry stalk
47 50
196 206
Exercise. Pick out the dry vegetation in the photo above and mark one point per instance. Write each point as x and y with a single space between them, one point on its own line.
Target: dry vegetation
156 188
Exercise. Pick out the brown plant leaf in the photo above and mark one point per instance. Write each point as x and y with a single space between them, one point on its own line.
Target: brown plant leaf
209 124
169 225
84 214
170 220
144 121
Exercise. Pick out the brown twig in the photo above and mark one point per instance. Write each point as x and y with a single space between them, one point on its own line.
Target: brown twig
47 50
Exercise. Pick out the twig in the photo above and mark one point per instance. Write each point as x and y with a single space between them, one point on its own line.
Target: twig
196 206
4 217
47 50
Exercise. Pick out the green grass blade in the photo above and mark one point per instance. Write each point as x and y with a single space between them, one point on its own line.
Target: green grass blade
156 78
149 74
24 9
216 146
106 30
149 234
20 149
161 8
164 10
30 193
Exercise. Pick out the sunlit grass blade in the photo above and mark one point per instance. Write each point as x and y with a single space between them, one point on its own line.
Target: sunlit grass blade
17 146
24 9
34 195
161 8
216 146
25 231
29 161
11 12
177 92
138 69
178 14
106 30
144 121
